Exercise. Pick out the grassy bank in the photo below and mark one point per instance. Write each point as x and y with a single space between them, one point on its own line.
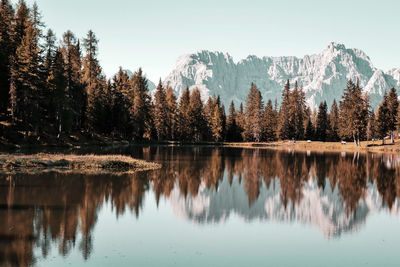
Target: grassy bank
11 163
366 146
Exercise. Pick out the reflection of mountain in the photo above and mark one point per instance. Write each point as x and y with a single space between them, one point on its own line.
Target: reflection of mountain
206 185
321 207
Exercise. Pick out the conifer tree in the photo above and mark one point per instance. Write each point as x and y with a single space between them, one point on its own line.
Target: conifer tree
253 115
183 116
6 51
92 79
334 122
297 110
383 119
232 131
141 106
121 95
160 112
217 124
322 122
269 122
172 112
59 101
309 134
353 113
25 82
196 116
284 123
393 106
371 127
20 23
76 83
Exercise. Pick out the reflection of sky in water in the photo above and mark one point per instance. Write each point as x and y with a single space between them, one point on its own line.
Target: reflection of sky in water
205 217
159 238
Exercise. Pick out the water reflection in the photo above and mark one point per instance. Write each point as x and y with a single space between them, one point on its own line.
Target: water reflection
334 192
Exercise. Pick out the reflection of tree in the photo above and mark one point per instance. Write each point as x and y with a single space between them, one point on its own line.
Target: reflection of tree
38 210
44 210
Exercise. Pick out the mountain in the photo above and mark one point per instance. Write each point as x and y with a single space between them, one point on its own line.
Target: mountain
323 76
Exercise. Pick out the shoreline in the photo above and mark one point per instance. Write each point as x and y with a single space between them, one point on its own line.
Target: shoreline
314 146
72 163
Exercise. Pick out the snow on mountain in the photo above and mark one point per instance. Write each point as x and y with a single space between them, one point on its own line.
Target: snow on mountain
395 73
323 208
323 76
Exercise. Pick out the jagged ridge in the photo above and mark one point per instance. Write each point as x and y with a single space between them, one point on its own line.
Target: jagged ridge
323 76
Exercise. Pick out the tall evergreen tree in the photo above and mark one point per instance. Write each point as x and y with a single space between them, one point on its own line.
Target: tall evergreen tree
393 106
25 82
141 105
183 116
284 123
383 119
322 122
196 116
353 113
334 122
172 112
253 115
92 78
269 122
160 112
6 51
121 92
232 131
297 112
59 101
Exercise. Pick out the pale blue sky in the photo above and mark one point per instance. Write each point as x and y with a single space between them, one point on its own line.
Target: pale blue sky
152 33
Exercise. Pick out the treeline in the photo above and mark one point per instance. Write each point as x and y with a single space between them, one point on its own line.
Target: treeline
51 90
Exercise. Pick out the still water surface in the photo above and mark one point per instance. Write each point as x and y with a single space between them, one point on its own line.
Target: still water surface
208 207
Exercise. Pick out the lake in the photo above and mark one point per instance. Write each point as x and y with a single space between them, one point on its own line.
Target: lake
208 206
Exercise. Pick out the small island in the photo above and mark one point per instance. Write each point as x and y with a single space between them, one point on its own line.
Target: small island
85 164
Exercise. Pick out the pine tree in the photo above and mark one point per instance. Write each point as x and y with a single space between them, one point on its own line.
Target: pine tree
322 122
160 112
309 134
121 103
184 130
383 119
334 122
371 127
232 131
393 106
76 84
6 51
240 122
25 82
141 106
59 101
353 113
20 23
172 112
196 116
269 122
253 115
297 110
217 124
284 123
92 80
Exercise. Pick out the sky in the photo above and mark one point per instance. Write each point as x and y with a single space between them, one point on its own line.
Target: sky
152 34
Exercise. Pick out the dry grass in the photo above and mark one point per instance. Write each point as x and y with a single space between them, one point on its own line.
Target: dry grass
10 163
365 146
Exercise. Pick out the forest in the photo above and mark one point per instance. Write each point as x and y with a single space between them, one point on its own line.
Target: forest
56 90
